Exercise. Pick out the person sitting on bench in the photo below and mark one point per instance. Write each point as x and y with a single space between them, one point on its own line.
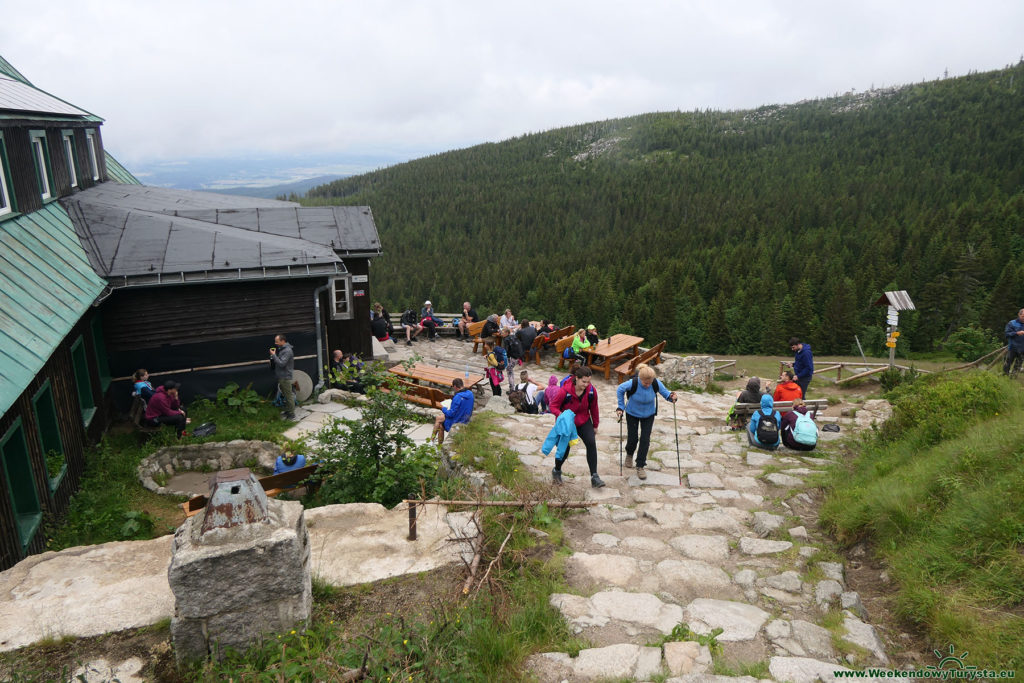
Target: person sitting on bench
764 430
787 389
288 461
164 408
142 387
461 409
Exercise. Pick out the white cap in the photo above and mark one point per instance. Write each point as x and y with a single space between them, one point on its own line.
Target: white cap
426 303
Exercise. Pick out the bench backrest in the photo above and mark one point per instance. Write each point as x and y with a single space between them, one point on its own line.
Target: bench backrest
474 329
813 405
563 343
286 479
562 333
435 396
138 411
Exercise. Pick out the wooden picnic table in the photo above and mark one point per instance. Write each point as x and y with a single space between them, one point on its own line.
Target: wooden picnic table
616 348
421 372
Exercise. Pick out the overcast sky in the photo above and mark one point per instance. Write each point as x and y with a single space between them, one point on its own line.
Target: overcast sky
186 79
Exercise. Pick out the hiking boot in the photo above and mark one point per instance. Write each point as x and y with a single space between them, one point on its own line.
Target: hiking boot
629 462
595 481
408 342
556 477
641 473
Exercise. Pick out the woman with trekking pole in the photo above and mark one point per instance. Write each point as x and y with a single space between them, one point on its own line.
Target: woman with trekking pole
638 399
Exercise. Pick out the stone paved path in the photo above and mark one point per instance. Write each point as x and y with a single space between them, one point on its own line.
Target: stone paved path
733 546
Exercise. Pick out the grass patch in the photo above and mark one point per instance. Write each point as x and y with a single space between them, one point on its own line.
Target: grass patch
758 670
478 445
111 504
939 493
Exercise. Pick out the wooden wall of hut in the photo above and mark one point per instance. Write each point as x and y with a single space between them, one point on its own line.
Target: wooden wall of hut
352 335
74 435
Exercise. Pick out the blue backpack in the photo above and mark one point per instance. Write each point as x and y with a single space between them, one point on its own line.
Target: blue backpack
805 432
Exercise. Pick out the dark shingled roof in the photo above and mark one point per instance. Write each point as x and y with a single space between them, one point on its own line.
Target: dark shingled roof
139 235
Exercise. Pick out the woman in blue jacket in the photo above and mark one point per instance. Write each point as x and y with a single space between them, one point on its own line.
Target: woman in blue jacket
640 406
767 414
461 409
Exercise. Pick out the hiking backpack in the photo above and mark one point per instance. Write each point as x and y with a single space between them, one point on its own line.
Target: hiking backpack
767 430
497 358
805 432
515 347
635 384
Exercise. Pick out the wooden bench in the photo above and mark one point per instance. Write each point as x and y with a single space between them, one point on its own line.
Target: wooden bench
651 356
813 405
273 485
560 346
547 341
474 330
422 395
137 414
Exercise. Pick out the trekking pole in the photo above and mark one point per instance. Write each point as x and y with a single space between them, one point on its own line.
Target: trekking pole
675 425
620 445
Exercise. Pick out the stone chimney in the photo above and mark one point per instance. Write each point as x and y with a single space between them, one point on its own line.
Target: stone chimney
239 569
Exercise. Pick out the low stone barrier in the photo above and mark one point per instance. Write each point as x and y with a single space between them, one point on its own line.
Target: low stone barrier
692 371
210 457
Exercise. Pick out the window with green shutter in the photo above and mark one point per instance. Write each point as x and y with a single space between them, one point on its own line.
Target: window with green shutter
49 435
21 486
82 382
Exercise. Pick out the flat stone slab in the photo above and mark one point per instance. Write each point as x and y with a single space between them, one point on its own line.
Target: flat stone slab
765 523
783 480
604 540
666 516
620 661
738 621
756 459
694 575
704 480
762 546
606 493
803 670
865 636
716 520
85 591
640 609
667 478
786 581
602 570
699 547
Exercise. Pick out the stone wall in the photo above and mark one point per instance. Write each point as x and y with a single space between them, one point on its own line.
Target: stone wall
212 457
691 371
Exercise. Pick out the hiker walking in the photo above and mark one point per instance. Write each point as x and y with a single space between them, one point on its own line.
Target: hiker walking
579 396
1014 333
638 399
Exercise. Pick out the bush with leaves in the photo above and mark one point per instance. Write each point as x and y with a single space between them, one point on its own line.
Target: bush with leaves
971 343
245 399
373 460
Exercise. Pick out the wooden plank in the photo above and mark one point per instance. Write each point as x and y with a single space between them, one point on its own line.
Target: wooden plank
863 374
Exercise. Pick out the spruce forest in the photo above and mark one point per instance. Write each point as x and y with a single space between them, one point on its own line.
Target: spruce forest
726 232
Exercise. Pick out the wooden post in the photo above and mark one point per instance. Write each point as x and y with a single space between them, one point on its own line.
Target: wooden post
839 373
412 521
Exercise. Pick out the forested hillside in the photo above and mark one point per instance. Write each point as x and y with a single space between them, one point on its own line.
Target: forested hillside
726 231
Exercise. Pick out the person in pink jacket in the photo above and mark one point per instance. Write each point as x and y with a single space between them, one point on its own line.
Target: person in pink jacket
579 396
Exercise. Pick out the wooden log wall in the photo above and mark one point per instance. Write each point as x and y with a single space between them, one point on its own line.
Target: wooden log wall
59 370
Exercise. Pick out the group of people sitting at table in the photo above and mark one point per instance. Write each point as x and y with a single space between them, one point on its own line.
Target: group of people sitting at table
767 428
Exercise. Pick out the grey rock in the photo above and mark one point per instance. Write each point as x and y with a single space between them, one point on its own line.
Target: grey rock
765 523
864 635
614 661
686 657
668 517
815 640
778 629
786 581
833 570
717 520
698 547
622 515
604 540
783 480
644 544
745 578
739 621
802 670
850 600
808 551
798 533
755 459
602 570
761 546
704 480
827 592
693 574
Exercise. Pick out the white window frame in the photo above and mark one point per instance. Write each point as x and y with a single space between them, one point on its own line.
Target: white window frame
40 154
68 138
346 302
5 195
94 163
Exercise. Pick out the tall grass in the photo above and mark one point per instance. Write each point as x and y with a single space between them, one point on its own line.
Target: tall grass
939 493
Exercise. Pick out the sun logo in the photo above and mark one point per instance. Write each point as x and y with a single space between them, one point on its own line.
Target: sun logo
951 660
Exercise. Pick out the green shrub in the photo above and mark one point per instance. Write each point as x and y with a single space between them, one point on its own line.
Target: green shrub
941 406
971 343
894 377
373 460
245 400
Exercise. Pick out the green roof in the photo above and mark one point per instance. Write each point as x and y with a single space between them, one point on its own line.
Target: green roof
119 173
46 286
